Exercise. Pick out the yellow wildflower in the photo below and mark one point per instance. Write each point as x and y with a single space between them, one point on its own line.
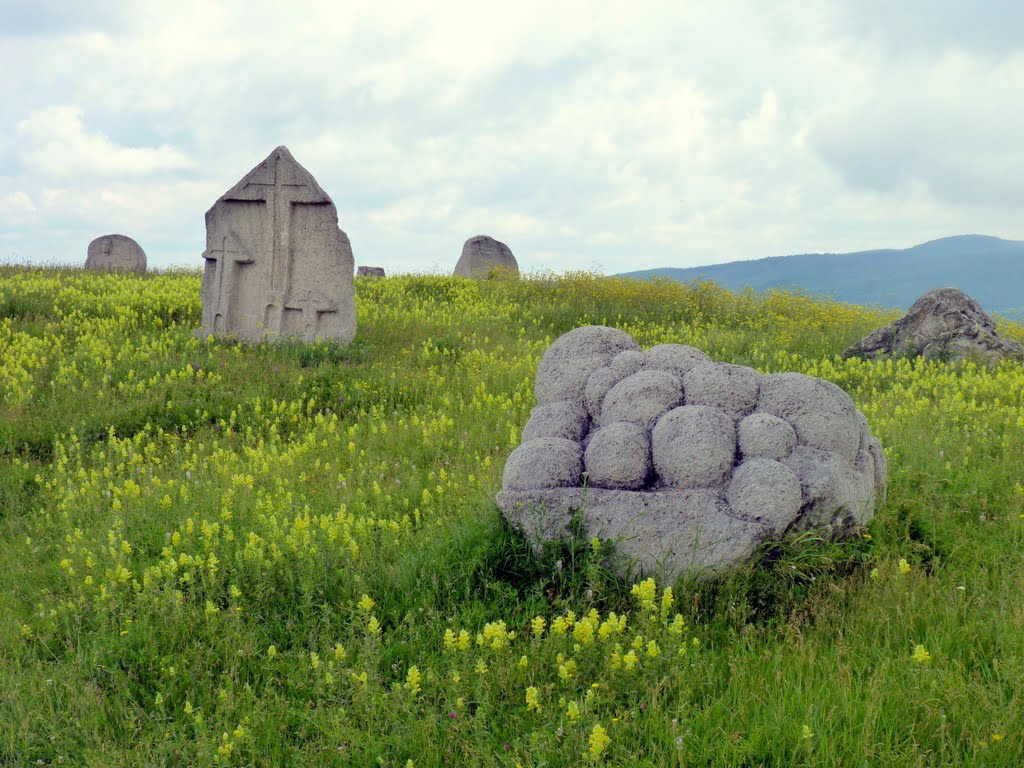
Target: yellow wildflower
412 680
572 711
532 699
366 603
645 593
598 741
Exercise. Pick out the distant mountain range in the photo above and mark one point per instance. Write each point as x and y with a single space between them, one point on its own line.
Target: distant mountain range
989 269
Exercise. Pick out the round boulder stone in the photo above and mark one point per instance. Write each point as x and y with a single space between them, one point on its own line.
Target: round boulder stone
618 456
627 363
483 256
764 436
694 446
730 388
566 419
564 369
642 398
545 462
822 414
115 253
765 491
599 383
675 358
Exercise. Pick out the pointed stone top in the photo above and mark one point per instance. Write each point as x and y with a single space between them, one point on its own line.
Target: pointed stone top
280 171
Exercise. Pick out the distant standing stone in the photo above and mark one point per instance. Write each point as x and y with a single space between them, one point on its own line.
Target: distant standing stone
482 254
277 265
115 253
944 324
370 272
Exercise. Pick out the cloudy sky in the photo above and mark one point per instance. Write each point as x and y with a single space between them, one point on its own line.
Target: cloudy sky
609 136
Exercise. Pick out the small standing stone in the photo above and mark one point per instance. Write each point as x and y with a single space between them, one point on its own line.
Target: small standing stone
115 253
370 272
481 255
277 265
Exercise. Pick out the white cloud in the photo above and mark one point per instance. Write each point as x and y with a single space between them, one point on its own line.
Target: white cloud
16 208
54 143
632 134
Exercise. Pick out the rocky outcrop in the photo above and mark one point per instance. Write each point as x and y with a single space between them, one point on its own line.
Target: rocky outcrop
687 464
944 324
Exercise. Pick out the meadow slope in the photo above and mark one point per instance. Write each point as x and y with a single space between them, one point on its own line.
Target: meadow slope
218 554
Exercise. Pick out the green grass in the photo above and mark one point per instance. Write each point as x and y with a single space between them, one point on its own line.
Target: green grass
171 509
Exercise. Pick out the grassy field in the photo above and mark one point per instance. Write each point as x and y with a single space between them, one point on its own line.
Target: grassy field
216 554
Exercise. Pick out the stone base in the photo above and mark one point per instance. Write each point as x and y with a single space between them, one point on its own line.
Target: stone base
666 534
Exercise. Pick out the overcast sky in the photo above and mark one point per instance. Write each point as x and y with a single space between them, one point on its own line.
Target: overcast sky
585 135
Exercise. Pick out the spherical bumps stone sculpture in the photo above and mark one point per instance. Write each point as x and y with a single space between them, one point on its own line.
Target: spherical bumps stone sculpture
619 456
687 464
544 462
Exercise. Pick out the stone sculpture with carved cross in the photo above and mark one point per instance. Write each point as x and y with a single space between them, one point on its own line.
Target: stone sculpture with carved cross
277 263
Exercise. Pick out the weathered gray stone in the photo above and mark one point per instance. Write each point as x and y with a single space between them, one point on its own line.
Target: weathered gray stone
821 413
370 272
881 467
761 435
758 456
564 369
675 358
115 253
629 362
944 324
730 388
483 256
834 495
765 491
618 456
277 265
599 383
544 462
567 419
642 398
694 446
666 533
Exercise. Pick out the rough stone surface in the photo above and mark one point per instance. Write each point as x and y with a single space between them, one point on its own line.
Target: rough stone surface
277 265
629 362
694 446
730 388
761 435
944 324
115 253
544 462
765 491
675 358
598 385
370 272
828 486
618 456
821 413
642 398
567 419
481 255
569 361
667 533
692 487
